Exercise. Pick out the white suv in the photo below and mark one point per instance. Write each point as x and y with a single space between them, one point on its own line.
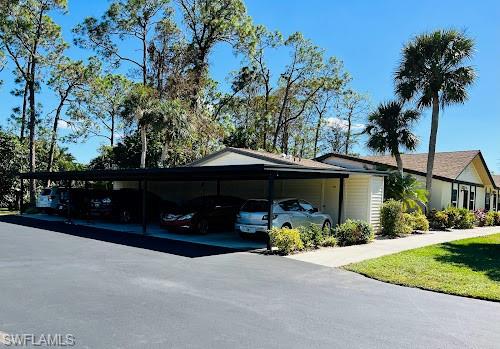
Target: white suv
49 199
289 213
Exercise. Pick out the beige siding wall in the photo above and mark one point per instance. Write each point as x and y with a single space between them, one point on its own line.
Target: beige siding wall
470 174
357 197
376 201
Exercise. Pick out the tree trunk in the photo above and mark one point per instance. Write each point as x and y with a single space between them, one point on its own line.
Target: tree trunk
399 161
432 147
144 146
23 112
316 135
348 136
53 140
112 136
32 130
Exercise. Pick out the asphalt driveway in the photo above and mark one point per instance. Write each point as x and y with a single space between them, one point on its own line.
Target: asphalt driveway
111 295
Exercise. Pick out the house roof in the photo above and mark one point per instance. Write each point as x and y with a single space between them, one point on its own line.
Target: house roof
447 165
279 159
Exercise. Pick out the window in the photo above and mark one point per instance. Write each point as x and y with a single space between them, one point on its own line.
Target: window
494 201
487 202
454 193
306 206
291 205
471 200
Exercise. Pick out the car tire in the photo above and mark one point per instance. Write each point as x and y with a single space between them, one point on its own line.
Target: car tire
125 216
202 226
327 226
286 225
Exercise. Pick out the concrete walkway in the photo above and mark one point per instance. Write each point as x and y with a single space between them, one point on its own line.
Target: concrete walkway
339 256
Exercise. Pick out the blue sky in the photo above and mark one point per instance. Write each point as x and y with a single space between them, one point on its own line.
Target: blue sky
367 36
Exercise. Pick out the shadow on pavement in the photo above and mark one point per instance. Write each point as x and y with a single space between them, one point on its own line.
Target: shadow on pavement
179 248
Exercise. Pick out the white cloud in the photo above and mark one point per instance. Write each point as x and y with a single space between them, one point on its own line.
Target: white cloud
335 122
62 124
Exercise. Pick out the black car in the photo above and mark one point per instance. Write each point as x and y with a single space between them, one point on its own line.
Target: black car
79 203
203 214
127 206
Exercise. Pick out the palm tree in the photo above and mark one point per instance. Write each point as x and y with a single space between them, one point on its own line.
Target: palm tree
433 72
389 128
406 189
140 105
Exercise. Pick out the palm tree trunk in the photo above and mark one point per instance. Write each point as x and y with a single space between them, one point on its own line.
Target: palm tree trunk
432 148
399 162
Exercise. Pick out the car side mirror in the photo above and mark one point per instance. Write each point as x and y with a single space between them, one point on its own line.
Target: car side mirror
314 210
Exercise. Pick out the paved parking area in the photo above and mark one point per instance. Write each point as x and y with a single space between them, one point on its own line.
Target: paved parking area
228 239
136 292
339 256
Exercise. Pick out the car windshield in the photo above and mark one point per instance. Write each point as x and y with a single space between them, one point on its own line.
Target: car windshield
255 206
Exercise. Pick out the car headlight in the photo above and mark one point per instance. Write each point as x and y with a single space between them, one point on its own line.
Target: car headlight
186 217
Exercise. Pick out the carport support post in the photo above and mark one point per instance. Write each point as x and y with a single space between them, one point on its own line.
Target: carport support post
144 208
270 198
341 200
69 202
21 197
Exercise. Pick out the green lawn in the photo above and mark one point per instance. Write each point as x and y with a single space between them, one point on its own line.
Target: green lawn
469 267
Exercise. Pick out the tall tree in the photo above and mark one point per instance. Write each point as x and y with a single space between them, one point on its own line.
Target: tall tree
67 76
96 108
141 105
389 129
31 40
434 72
351 106
208 23
135 20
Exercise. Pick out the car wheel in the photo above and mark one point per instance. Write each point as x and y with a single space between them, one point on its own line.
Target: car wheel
125 216
202 226
327 227
286 225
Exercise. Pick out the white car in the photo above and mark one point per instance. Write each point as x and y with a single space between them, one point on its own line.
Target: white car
49 199
289 213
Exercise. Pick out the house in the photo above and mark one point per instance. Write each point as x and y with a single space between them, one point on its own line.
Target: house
341 192
460 178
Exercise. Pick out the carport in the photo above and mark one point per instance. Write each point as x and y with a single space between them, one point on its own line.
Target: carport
261 172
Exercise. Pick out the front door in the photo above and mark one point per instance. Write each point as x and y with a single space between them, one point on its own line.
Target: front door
465 203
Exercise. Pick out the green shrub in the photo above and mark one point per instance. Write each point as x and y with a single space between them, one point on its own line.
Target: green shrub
454 216
497 218
438 219
286 240
394 221
329 241
311 236
353 232
465 219
419 221
489 219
